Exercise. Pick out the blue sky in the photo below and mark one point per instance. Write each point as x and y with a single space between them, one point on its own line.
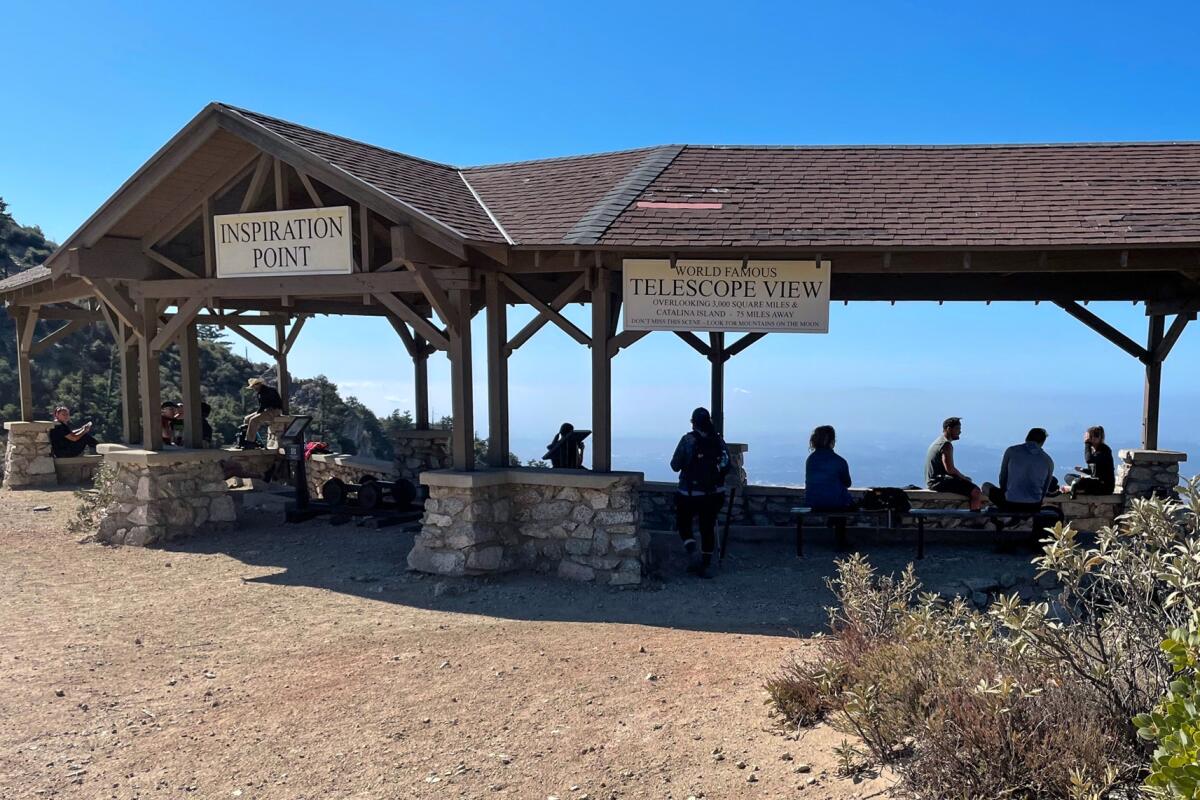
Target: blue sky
93 89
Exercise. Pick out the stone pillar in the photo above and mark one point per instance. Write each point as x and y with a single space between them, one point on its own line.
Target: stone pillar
1143 473
578 524
418 451
162 495
27 459
737 465
275 429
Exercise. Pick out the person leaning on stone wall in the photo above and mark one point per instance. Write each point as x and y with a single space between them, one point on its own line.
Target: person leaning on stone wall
270 406
68 442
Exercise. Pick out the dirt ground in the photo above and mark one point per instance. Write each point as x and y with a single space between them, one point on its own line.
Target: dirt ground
305 662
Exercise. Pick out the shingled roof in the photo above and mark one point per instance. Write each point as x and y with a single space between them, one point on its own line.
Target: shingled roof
1044 196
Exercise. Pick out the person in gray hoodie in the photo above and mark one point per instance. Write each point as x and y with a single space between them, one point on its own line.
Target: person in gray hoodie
1026 473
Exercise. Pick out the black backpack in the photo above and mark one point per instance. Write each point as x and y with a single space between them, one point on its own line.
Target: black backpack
703 471
886 498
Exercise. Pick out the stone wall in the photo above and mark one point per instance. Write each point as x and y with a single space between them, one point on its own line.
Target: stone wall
27 459
78 470
772 505
350 469
577 524
1143 473
159 496
418 451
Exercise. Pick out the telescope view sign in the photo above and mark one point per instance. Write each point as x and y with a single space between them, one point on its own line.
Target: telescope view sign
308 241
710 295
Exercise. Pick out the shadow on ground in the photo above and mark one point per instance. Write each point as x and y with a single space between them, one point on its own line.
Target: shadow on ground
760 588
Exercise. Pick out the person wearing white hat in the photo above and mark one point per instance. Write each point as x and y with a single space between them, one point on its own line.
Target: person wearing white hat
270 406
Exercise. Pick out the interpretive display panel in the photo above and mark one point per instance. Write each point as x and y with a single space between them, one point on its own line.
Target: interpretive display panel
307 241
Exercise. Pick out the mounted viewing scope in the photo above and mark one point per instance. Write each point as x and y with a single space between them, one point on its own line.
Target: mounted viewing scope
566 451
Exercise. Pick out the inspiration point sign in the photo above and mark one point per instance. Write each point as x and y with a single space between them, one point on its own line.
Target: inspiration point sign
718 295
307 241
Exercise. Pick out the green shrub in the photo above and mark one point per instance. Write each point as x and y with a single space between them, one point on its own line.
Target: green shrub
92 502
1174 724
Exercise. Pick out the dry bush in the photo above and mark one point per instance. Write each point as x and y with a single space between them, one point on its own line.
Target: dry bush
1027 700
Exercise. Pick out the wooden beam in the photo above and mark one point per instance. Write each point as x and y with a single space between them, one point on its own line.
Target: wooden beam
1172 336
189 387
410 344
210 257
277 173
169 263
410 315
558 304
57 312
282 380
693 341
131 424
421 388
149 381
293 334
297 287
66 330
187 312
434 292
26 321
409 245
116 300
364 238
313 194
254 340
1104 329
601 372
497 362
462 443
1151 398
624 339
741 344
549 312
256 183
716 346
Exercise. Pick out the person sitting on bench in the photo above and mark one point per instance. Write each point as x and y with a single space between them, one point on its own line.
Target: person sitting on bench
940 473
826 474
66 442
1025 475
270 406
1098 477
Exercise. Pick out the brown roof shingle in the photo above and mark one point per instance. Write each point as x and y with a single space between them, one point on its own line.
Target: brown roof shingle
970 196
434 189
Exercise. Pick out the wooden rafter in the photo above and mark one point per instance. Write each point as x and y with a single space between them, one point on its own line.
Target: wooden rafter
1104 329
66 330
172 328
311 189
186 210
560 302
624 339
169 263
256 183
434 293
410 315
294 333
693 341
741 344
254 340
1172 336
116 300
546 310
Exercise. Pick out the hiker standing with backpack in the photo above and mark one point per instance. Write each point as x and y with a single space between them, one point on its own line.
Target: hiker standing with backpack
702 462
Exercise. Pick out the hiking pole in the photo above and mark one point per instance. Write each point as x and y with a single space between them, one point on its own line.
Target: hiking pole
728 519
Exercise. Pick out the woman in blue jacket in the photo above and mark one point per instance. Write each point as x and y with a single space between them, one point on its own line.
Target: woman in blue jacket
826 474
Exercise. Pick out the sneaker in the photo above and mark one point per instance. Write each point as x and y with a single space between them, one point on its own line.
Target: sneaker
690 546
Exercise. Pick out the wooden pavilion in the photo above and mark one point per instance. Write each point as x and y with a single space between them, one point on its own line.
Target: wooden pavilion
434 244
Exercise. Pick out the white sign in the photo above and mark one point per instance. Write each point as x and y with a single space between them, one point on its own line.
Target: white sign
308 241
710 295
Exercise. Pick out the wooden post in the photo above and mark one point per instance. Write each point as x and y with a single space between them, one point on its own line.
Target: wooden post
282 381
421 388
149 382
463 440
1151 397
716 344
601 371
497 338
189 380
131 423
26 320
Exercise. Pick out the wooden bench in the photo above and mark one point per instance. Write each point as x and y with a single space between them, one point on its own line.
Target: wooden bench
838 521
997 517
